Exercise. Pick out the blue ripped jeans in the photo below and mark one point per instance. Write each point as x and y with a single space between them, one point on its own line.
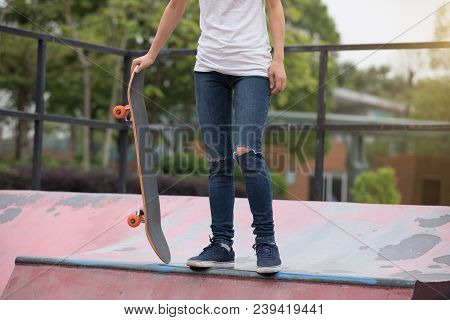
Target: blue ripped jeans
216 94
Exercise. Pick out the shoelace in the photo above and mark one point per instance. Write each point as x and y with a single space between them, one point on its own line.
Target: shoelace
212 244
264 250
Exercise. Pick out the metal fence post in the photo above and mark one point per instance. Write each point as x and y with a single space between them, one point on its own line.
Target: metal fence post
318 194
39 122
123 133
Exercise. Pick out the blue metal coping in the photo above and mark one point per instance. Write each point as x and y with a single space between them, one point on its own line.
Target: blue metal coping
215 272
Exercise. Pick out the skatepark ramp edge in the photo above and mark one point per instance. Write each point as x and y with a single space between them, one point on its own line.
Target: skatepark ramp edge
58 278
213 272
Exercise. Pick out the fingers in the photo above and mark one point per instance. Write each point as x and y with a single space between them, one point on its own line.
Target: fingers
141 63
280 85
272 80
134 64
276 87
282 81
138 67
277 77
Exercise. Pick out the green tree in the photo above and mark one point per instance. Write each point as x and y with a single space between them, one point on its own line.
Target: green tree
312 18
431 100
71 73
17 64
18 80
376 187
376 80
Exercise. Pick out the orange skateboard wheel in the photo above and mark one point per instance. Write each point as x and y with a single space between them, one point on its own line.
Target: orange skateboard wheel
134 220
119 112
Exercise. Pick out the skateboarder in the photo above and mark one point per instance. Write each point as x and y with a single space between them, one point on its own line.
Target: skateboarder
234 67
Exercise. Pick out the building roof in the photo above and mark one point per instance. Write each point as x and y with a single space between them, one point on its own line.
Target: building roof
309 118
346 98
297 117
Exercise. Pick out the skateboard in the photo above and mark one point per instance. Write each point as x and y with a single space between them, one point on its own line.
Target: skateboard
150 213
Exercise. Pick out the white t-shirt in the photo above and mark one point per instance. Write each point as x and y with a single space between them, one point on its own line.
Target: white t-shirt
234 38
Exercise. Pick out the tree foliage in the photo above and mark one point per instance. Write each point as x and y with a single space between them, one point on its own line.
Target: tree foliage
379 187
431 99
376 80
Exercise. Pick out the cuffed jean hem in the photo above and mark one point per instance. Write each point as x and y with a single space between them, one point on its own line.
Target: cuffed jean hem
270 239
228 242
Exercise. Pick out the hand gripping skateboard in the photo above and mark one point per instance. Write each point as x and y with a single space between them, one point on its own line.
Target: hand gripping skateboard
150 214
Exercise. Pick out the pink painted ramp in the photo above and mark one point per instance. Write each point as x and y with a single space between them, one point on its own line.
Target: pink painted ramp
330 242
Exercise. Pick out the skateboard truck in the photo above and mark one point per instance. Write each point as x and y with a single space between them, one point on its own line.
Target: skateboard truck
135 219
122 112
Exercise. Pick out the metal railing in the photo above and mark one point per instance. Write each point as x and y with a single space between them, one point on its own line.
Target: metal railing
320 127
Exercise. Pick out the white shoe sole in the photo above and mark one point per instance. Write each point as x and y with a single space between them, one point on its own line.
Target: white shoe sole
266 270
209 264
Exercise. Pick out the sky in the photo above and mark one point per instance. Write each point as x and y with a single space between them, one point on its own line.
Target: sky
380 21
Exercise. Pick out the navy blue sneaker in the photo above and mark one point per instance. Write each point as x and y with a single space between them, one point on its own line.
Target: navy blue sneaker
268 258
217 255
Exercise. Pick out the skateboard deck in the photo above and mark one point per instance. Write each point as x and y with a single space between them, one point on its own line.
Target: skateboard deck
150 214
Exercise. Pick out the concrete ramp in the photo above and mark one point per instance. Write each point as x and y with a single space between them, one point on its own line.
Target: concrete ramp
76 246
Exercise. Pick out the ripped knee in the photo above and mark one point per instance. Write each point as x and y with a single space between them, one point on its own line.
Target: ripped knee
221 166
241 150
251 161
